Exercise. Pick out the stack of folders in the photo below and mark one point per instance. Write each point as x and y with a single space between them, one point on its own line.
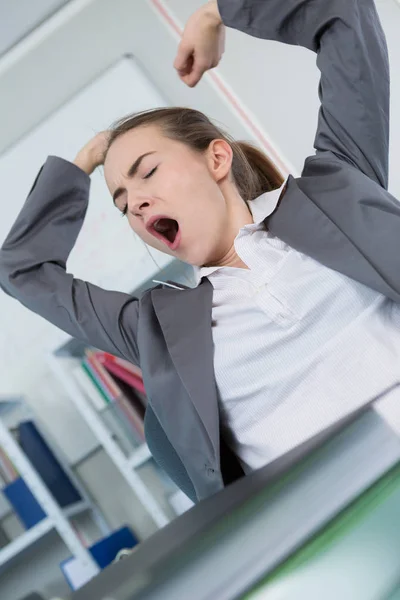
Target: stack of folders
115 388
244 533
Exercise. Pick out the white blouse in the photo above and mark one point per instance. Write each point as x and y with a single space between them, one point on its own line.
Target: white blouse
296 344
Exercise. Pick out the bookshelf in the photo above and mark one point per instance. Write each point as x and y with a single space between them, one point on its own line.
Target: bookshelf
56 518
63 363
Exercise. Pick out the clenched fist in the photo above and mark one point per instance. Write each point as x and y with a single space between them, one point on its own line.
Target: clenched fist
202 45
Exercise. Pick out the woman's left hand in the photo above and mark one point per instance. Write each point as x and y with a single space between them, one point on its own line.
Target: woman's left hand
202 44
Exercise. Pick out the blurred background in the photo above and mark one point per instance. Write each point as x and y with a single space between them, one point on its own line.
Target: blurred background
70 417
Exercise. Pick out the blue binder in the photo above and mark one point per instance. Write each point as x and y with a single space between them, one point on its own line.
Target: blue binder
103 552
46 464
24 503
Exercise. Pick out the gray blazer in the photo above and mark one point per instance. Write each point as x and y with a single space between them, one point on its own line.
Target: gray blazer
339 212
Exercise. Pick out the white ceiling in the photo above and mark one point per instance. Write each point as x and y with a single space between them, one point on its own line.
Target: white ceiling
20 17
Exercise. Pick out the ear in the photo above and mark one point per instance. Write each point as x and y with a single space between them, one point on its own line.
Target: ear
219 159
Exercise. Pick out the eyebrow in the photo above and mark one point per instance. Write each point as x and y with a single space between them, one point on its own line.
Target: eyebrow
131 173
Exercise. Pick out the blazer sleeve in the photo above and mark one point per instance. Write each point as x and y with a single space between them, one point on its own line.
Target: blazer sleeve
33 265
352 56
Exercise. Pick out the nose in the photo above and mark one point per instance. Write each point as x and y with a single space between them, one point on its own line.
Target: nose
139 206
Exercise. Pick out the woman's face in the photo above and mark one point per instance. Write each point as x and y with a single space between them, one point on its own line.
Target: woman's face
177 200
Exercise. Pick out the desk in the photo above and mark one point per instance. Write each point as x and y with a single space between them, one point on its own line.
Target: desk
226 545
357 557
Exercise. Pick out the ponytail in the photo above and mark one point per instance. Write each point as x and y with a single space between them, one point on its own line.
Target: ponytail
253 171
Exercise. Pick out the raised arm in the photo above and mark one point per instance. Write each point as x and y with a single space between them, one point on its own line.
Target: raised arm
33 265
351 55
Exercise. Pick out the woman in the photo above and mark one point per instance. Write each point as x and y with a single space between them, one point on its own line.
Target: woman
294 322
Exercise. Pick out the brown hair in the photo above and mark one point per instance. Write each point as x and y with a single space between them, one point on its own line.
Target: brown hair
253 172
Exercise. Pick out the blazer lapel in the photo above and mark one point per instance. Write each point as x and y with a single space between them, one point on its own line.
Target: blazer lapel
185 319
304 226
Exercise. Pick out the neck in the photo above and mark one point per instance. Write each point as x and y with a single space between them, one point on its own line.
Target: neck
231 259
238 215
229 256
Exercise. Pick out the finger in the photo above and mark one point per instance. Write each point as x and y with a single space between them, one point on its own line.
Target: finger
187 69
192 79
198 70
183 57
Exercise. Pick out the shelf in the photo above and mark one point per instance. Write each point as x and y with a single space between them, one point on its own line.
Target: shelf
56 518
69 511
87 456
76 509
29 537
6 512
139 456
25 540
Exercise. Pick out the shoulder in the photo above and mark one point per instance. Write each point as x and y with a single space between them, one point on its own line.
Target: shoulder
325 170
326 204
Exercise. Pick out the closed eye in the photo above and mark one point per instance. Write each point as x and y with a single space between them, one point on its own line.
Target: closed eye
150 173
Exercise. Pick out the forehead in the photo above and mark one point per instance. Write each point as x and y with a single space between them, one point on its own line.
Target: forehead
129 146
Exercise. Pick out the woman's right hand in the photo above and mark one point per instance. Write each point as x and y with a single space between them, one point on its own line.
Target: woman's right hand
202 44
93 153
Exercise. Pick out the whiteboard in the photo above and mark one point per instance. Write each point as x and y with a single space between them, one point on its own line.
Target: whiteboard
107 251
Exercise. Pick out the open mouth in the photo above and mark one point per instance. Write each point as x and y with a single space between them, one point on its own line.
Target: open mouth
165 229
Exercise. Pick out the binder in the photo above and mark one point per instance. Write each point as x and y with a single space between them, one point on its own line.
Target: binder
128 366
129 378
88 387
105 380
116 402
46 464
24 503
103 552
94 377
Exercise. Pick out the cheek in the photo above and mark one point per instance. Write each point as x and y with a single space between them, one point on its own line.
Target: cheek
184 178
139 229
